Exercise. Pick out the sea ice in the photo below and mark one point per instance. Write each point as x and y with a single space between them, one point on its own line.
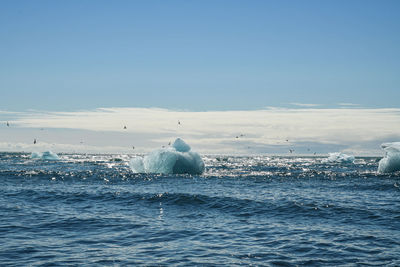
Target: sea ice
391 161
47 155
338 157
176 159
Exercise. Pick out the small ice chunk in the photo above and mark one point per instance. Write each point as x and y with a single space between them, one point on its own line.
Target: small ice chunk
176 159
391 161
338 157
47 155
36 155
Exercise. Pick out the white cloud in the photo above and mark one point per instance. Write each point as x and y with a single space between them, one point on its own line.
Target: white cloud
305 105
216 131
348 104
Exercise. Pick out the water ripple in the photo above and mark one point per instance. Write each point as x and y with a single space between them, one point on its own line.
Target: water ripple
263 211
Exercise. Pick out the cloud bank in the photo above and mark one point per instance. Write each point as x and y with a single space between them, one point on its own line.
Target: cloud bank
271 130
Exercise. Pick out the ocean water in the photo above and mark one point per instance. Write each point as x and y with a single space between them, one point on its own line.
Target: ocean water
91 210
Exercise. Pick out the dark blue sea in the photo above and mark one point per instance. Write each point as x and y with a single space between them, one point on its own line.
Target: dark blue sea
92 210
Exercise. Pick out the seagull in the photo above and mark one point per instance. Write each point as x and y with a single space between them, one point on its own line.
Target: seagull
8 124
291 150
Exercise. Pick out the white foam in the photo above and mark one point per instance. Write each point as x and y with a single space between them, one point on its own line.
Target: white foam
338 157
172 160
47 155
391 161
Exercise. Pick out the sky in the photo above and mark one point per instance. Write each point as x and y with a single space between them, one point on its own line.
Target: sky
334 64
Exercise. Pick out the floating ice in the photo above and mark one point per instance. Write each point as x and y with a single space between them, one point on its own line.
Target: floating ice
391 161
176 159
338 157
47 155
180 145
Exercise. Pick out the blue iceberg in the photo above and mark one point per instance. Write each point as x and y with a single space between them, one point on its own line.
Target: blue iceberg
391 161
177 159
47 155
338 157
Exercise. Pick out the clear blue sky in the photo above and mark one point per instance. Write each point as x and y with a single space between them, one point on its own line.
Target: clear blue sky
198 55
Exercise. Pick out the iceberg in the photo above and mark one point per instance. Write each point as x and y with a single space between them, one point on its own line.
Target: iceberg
177 159
47 155
338 157
391 161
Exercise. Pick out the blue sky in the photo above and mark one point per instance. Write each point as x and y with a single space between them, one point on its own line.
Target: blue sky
198 55
322 74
